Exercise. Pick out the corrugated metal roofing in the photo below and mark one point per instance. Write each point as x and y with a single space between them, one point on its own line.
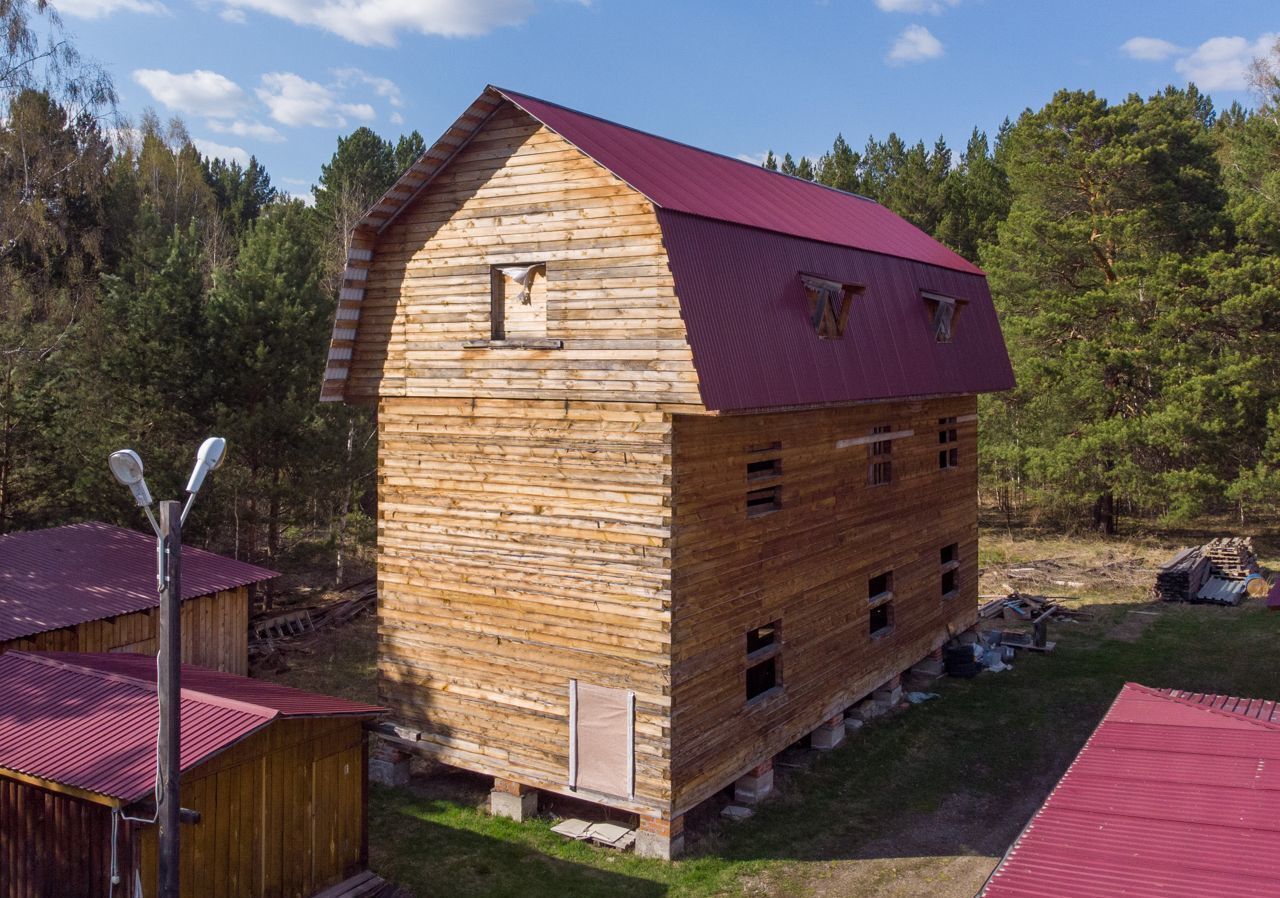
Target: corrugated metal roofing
1175 795
65 576
754 345
686 179
89 720
705 198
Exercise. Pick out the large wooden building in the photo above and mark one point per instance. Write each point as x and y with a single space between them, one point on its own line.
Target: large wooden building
91 587
677 456
276 775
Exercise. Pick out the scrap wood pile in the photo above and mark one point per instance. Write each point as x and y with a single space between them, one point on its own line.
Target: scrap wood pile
1026 607
1220 572
269 630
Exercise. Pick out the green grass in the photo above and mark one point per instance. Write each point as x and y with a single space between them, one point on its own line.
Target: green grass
919 804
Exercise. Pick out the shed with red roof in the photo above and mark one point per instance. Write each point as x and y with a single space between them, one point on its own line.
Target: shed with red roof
677 459
277 776
91 587
1175 794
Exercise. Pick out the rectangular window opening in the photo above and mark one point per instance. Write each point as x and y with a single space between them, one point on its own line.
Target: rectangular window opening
948 443
880 587
881 620
764 473
764 659
518 301
949 560
880 457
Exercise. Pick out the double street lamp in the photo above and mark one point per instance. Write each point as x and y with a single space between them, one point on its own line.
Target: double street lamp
127 468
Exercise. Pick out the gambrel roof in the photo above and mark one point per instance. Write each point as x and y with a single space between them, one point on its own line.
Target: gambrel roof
737 237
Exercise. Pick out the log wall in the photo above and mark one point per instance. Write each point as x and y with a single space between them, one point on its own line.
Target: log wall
522 544
807 565
519 194
215 633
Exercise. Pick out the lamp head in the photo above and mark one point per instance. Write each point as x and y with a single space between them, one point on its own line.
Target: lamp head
208 458
127 468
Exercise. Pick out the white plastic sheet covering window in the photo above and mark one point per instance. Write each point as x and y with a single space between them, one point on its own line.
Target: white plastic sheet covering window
602 739
523 275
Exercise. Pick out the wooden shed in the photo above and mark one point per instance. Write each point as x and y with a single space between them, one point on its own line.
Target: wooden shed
277 776
677 456
92 588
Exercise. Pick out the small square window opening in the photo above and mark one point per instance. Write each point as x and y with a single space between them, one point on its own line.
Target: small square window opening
948 443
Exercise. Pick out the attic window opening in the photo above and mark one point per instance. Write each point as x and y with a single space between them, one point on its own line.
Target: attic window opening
944 311
830 303
518 301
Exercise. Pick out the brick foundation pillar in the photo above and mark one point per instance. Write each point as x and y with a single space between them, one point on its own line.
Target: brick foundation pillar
513 800
755 786
829 735
660 837
388 764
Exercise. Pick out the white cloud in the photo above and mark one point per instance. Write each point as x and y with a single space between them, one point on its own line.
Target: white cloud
295 101
1152 48
253 130
200 92
234 16
753 158
937 7
221 151
383 87
97 9
379 21
1222 63
915 44
397 118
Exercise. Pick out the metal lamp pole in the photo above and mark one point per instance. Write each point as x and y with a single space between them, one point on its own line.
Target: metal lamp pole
127 468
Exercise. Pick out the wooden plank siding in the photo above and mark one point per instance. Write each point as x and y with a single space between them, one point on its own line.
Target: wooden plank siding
53 844
522 544
282 814
215 633
518 193
807 565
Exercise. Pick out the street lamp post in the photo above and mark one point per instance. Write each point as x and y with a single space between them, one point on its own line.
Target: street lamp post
127 468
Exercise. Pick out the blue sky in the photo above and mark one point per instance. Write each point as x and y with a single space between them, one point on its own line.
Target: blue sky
281 79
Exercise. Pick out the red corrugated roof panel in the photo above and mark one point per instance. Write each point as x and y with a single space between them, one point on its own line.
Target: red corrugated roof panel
89 720
682 178
65 576
754 345
1175 795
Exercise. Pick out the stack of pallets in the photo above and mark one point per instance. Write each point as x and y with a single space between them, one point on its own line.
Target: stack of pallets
1232 557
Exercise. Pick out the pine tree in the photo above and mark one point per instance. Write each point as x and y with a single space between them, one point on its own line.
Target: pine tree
770 162
841 167
804 169
788 166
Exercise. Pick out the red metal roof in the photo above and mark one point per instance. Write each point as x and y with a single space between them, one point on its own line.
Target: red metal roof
682 178
754 345
65 576
734 231
1175 795
89 720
